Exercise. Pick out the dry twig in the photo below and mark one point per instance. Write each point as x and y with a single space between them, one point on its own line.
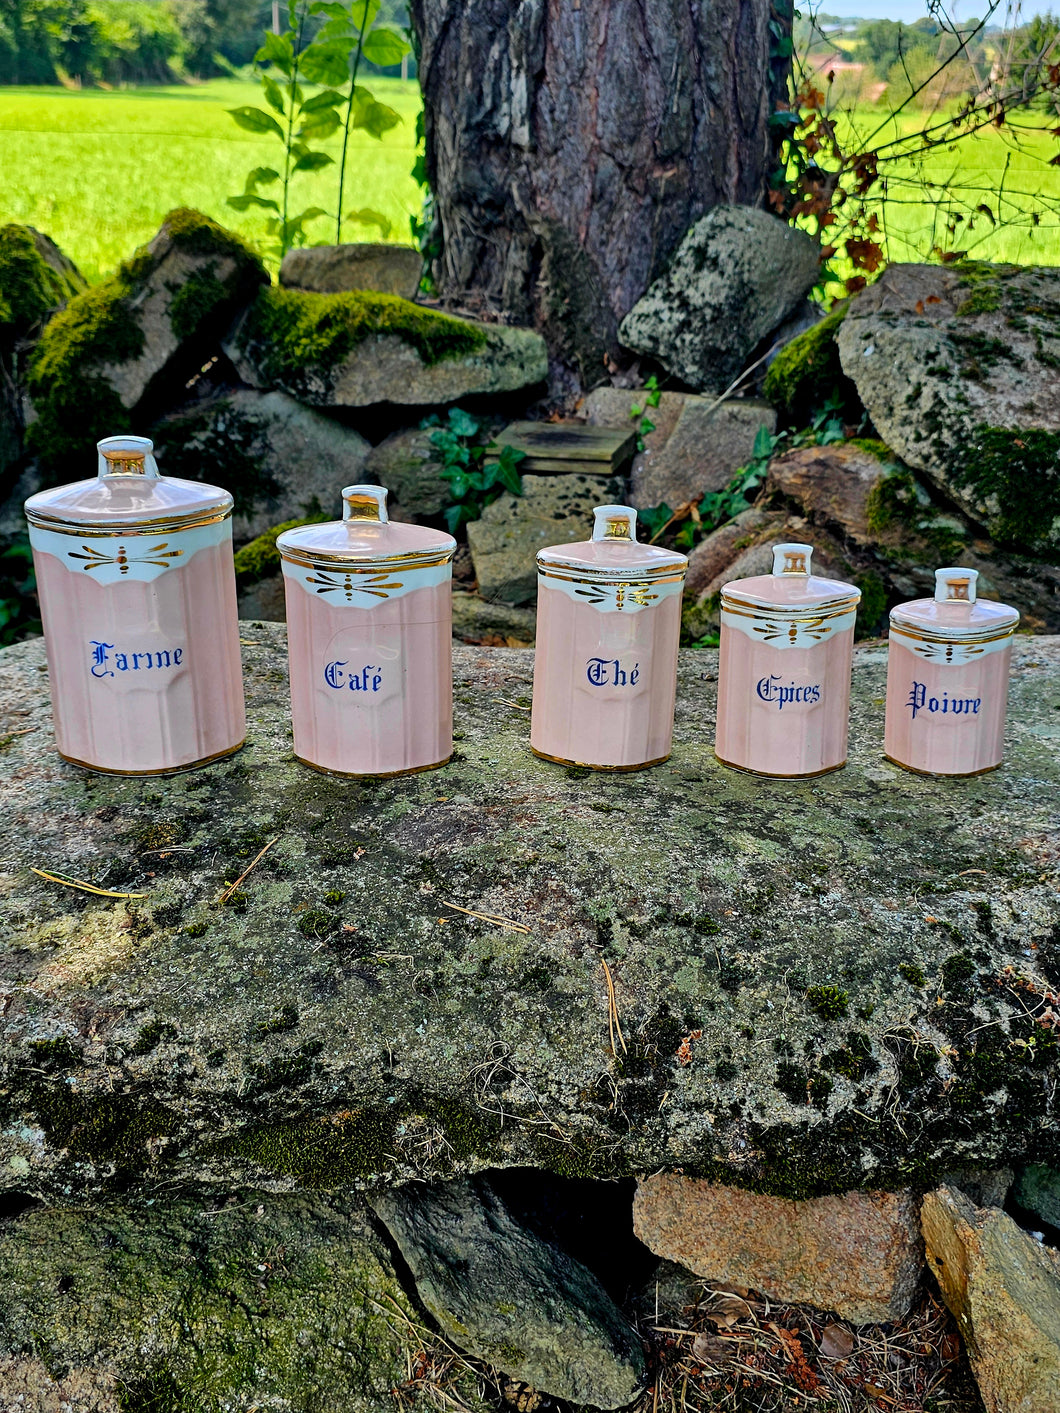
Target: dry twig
83 887
252 865
487 917
613 1023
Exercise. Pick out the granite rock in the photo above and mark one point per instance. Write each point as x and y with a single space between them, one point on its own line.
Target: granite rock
280 460
476 620
856 1253
552 510
336 1024
736 276
513 1298
706 448
330 269
1038 1189
406 463
1003 1289
956 365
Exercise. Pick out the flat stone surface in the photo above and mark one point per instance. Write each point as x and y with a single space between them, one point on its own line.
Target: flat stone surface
1003 1288
506 1294
857 1253
330 269
704 451
336 1023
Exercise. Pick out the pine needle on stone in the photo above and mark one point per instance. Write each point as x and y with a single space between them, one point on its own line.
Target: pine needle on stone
252 865
83 887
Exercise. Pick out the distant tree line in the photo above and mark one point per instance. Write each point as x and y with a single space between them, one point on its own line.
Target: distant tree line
115 42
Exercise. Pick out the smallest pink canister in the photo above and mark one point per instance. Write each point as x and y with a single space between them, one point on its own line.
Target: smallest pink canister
947 679
369 637
608 627
787 641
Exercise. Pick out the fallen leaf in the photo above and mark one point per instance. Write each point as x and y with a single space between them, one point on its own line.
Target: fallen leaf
836 1342
709 1349
729 1310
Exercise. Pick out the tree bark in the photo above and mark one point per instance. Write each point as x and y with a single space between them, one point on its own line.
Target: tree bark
572 143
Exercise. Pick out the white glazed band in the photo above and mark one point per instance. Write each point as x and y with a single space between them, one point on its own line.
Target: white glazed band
112 559
946 652
367 585
783 632
613 596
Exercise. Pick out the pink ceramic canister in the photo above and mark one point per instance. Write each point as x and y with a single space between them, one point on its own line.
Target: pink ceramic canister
784 671
369 630
138 598
608 626
947 679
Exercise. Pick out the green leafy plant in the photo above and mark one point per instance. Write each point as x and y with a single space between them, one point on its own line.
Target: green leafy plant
18 615
329 61
640 414
473 481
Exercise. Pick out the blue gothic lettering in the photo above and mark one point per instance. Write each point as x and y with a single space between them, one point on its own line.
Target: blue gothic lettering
608 672
945 705
771 689
103 665
368 679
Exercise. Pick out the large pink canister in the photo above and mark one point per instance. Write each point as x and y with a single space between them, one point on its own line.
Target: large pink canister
947 679
138 599
787 643
608 627
369 631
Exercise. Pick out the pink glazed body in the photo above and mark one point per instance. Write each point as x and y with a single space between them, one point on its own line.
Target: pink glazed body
947 680
141 629
784 671
608 627
370 653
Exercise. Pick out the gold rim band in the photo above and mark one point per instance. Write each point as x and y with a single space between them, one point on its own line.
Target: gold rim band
673 574
921 635
166 770
943 774
835 609
392 564
777 774
123 529
372 774
611 769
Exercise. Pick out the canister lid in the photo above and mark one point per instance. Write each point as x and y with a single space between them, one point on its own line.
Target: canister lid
366 535
127 494
613 553
791 588
955 613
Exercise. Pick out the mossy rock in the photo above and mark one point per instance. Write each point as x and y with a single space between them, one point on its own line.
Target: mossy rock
360 348
120 351
807 372
338 1023
957 367
259 558
36 278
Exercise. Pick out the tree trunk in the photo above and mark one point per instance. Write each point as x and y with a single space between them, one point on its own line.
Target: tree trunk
572 143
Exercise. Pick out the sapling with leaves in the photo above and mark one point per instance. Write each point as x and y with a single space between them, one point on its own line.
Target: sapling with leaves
328 63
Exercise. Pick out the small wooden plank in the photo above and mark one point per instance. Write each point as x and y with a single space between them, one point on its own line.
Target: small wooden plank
570 441
542 466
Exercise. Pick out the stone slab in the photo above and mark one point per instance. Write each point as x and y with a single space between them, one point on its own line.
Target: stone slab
856 1253
336 1023
330 269
704 451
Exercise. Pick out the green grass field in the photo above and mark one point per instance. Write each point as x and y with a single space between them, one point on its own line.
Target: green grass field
97 171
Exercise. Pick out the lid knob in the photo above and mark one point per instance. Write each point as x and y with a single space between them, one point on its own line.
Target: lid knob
127 456
955 585
615 522
365 503
792 560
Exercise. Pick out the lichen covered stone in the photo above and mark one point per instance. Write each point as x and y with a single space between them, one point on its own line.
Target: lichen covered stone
336 1023
36 278
957 367
807 372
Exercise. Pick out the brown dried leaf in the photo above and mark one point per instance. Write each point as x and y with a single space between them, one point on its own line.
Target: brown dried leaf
709 1349
729 1310
836 1342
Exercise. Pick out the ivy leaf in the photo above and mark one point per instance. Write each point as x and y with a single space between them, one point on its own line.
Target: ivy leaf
384 47
273 95
462 424
311 213
260 176
256 120
365 216
312 162
279 50
646 426
249 199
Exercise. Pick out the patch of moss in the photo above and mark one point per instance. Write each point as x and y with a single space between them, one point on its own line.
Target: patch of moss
957 971
101 1128
875 447
199 297
156 1392
260 557
894 504
803 1086
807 371
912 973
150 1035
300 337
56 1053
316 923
75 405
873 607
1017 471
281 1021
30 288
854 1059
828 1002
